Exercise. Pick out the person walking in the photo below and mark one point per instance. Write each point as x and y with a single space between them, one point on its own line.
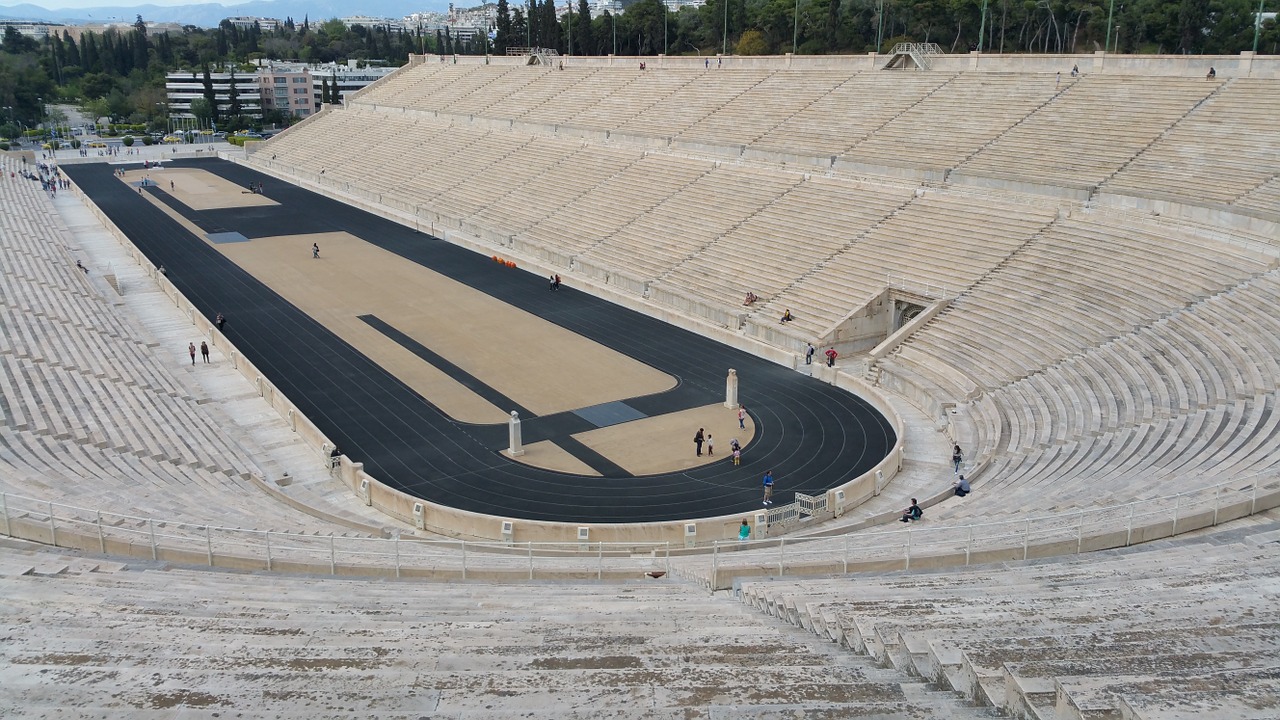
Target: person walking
711 449
957 458
315 250
191 348
698 440
768 488
808 354
204 350
742 417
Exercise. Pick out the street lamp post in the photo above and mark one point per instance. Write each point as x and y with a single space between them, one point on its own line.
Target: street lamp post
879 26
724 47
1257 27
795 27
1110 12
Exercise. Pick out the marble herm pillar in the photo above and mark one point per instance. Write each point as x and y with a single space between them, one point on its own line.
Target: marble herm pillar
517 447
731 390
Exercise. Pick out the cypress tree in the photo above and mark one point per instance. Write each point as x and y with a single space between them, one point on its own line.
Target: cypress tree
503 38
582 34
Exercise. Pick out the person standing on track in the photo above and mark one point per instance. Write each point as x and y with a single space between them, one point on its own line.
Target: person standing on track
768 488
698 440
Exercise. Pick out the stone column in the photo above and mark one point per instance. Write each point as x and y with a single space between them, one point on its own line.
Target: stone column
731 390
517 447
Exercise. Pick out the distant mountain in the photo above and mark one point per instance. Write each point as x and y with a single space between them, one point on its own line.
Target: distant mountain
210 14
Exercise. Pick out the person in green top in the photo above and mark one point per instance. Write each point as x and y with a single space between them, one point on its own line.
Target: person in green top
744 532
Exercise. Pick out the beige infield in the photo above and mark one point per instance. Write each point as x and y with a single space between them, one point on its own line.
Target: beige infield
536 363
632 444
199 190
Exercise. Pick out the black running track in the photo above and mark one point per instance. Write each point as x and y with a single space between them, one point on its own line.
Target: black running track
811 435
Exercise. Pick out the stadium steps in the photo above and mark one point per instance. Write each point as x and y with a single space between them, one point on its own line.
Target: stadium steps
132 641
1065 639
1219 87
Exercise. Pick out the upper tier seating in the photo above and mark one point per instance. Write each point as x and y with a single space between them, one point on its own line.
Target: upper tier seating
953 122
946 240
1062 144
1217 154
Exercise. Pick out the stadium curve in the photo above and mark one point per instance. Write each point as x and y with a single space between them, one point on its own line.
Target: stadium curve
812 435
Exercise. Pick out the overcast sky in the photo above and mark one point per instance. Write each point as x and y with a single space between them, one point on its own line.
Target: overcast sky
76 4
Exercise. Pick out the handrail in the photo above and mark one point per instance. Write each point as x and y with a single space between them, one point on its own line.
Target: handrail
1013 539
71 526
917 48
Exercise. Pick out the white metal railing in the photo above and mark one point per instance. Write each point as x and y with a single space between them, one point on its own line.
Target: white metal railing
1082 530
1016 539
922 49
64 525
925 288
811 504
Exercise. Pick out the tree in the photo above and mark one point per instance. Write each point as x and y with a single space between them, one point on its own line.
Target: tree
582 36
210 95
97 85
203 110
234 110
752 42
503 38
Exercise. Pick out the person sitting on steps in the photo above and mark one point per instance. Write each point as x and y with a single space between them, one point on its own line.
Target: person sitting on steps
912 513
961 487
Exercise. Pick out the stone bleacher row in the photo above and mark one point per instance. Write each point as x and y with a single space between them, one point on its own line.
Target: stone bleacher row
1182 630
709 232
1157 133
103 640
91 415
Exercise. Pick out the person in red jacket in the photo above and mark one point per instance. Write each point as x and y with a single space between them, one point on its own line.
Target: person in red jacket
831 357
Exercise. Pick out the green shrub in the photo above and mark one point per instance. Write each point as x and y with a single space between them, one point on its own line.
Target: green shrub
128 141
148 140
4 146
76 144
